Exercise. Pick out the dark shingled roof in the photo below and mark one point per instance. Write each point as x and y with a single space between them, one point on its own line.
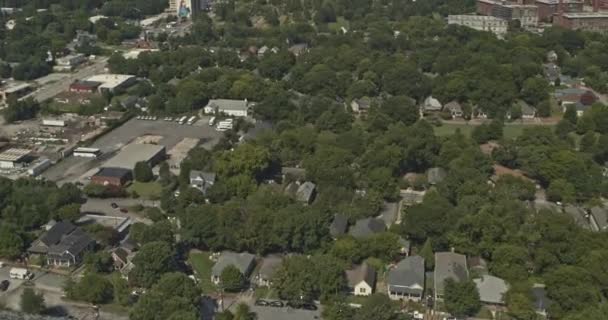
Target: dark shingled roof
56 232
408 274
338 225
113 172
361 273
367 227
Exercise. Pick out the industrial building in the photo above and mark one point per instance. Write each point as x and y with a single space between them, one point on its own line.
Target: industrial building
13 89
112 82
548 8
116 177
495 25
84 86
234 108
526 14
596 21
87 152
39 166
14 158
134 153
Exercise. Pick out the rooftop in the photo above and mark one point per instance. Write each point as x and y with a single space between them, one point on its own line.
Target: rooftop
367 227
110 81
119 224
12 87
409 272
269 266
491 289
132 154
228 104
242 261
338 225
14 154
449 265
585 15
363 272
113 172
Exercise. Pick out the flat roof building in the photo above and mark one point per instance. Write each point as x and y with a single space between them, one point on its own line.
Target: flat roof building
235 108
13 89
134 153
116 177
112 82
495 25
586 21
13 158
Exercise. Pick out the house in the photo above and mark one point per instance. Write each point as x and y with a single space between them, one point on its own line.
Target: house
361 280
268 268
578 215
411 197
244 262
406 280
541 302
367 227
338 226
121 257
477 266
527 112
64 245
435 175
233 108
598 217
292 174
303 192
431 105
581 99
262 51
201 180
449 265
361 106
454 108
492 290
298 49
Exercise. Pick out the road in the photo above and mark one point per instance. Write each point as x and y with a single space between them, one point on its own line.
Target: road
52 89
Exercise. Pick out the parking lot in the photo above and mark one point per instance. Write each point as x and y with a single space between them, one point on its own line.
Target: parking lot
73 169
285 313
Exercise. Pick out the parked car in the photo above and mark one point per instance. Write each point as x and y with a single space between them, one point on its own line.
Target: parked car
113 205
276 304
262 303
4 285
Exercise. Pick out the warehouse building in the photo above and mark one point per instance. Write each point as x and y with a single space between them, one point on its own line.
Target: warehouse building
14 158
13 89
133 153
234 108
112 82
116 177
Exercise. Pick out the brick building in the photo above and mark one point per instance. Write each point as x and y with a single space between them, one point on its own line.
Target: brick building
548 8
587 21
84 86
526 14
116 177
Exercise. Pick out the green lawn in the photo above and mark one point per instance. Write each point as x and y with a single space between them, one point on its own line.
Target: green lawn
146 190
202 266
265 293
510 130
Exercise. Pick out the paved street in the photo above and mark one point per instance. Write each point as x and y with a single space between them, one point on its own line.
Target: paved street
60 84
104 206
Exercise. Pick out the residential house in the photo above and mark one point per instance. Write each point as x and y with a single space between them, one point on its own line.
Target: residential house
201 180
541 302
367 227
298 49
244 262
477 266
63 245
578 215
454 108
527 112
361 280
361 106
123 258
449 265
581 99
431 105
303 192
492 290
435 175
262 51
411 197
598 217
268 268
338 226
292 174
406 280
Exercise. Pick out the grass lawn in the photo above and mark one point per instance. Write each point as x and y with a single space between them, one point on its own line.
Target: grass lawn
146 190
510 130
202 266
265 293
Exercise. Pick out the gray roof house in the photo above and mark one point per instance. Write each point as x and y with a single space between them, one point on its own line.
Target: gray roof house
361 105
243 261
406 280
454 108
599 218
435 175
578 215
202 180
361 280
492 290
431 104
449 265
477 265
303 192
267 270
64 244
364 228
541 302
338 226
527 111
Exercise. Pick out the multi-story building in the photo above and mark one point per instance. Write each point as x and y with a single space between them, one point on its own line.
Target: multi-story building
548 8
495 25
587 21
526 14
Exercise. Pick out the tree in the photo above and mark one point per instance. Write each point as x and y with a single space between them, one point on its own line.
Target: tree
32 302
588 142
164 173
572 290
461 298
152 260
561 190
535 90
427 253
570 115
92 288
11 242
520 306
69 212
232 280
143 172
378 307
121 292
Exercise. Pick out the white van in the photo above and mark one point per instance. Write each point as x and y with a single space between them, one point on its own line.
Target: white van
21 274
211 121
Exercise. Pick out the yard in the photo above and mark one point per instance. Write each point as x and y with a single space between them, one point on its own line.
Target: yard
510 130
200 262
146 190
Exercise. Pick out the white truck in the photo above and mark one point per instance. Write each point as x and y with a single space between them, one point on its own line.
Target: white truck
191 120
183 120
20 274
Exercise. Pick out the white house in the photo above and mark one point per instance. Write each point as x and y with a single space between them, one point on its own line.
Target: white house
233 108
361 280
